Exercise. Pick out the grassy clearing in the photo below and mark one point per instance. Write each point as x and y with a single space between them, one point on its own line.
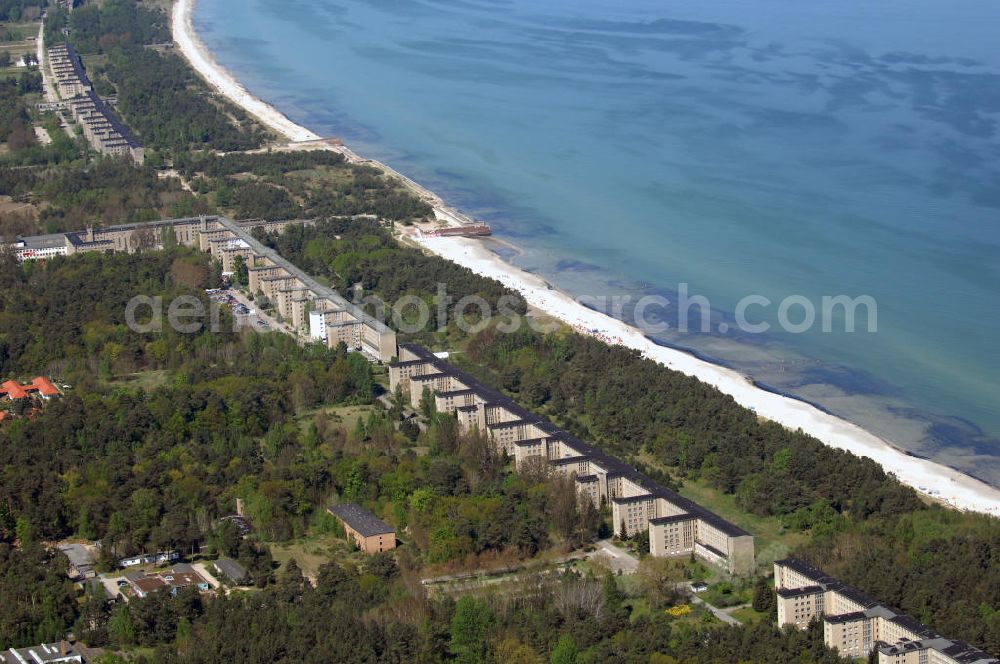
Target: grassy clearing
90 62
322 175
748 616
311 553
344 416
144 380
19 32
772 540
21 40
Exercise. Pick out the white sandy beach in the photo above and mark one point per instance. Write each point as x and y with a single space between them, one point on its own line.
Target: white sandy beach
952 486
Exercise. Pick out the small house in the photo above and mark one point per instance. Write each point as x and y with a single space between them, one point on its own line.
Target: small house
371 534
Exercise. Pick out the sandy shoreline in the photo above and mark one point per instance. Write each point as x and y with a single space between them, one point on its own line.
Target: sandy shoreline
951 486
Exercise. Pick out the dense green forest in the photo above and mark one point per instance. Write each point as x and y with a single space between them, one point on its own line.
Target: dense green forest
227 415
99 192
20 10
167 105
68 315
358 616
39 601
232 416
162 99
627 403
23 148
100 27
285 185
939 565
161 432
359 252
15 124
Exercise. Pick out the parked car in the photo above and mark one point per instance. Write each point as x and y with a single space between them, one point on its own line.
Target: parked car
699 587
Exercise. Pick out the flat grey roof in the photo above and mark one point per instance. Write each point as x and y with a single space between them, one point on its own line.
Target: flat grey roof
310 283
798 592
674 518
231 569
361 520
615 467
44 241
77 554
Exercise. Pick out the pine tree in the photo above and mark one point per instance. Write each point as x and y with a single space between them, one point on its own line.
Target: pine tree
469 625
565 651
763 597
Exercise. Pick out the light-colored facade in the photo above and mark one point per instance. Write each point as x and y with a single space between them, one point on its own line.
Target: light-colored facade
100 126
296 295
855 624
676 526
103 130
24 252
932 651
67 71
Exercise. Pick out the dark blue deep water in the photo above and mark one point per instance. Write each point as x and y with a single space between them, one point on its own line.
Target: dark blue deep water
769 147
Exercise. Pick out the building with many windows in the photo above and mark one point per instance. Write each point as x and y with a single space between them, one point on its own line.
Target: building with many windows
676 525
298 298
102 128
855 624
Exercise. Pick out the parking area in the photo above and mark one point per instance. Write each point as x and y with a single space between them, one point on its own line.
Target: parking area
243 309
618 559
111 585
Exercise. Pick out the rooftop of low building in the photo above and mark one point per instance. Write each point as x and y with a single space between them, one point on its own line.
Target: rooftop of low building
361 520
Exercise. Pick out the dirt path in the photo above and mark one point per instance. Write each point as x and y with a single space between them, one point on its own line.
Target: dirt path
50 91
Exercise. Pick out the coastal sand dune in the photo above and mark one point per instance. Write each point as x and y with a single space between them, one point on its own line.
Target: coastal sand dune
951 486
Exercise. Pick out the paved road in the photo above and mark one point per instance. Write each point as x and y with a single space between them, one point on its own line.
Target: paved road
47 85
255 320
618 558
717 612
721 614
202 569
487 573
50 91
111 585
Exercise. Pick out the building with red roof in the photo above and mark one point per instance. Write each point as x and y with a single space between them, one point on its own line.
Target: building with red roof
39 386
45 387
12 390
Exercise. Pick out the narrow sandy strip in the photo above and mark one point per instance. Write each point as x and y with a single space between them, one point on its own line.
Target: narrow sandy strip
203 62
949 485
47 86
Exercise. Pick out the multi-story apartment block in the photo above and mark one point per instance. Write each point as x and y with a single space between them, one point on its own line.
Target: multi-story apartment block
855 624
296 295
101 127
676 525
103 130
70 77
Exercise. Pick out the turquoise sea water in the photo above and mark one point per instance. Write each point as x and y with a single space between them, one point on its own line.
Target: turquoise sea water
771 147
